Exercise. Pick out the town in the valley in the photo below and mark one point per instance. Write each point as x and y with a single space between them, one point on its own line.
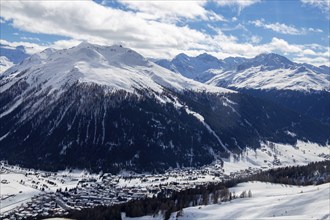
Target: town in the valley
45 194
29 193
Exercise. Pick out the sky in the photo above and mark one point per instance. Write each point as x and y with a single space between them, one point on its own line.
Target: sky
297 29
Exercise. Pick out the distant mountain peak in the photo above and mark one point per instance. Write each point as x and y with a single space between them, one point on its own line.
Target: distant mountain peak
267 61
21 48
207 58
181 56
258 72
273 57
115 67
13 54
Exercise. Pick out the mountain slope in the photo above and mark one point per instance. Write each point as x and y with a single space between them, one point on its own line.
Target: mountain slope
108 108
301 87
315 104
268 201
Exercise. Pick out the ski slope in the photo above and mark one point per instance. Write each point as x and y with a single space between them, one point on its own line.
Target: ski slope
268 201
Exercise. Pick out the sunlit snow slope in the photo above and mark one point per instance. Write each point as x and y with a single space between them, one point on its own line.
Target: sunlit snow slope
268 201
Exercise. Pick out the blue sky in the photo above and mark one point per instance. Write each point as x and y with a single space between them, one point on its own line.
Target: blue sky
298 29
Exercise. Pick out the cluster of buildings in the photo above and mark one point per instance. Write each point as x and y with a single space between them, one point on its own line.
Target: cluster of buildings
107 190
41 205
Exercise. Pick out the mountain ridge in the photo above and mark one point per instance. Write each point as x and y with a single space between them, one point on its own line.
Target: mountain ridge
303 88
107 108
229 73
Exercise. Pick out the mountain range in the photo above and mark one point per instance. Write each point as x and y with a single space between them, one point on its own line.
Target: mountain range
108 108
303 88
256 73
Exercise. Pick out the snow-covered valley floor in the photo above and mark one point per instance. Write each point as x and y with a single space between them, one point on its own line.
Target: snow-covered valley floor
268 201
19 185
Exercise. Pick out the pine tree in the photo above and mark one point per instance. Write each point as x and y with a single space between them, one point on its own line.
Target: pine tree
243 194
216 197
249 194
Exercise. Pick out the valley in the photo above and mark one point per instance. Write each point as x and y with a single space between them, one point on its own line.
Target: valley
164 110
35 193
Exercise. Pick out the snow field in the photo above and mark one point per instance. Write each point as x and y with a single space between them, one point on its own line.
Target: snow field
301 154
268 201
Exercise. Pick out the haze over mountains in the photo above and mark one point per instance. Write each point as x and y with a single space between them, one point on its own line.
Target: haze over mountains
110 106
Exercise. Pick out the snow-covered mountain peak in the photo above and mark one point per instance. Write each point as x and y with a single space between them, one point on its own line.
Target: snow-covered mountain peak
269 61
324 67
43 55
116 55
181 57
272 57
115 67
207 57
196 68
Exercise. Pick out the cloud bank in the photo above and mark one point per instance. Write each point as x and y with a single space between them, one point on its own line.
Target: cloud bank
155 30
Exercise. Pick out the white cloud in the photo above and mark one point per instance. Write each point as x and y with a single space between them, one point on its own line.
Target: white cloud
30 38
169 11
240 4
212 16
323 5
239 26
309 52
316 61
87 20
278 27
64 44
255 39
284 46
283 28
317 30
104 2
90 21
30 48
